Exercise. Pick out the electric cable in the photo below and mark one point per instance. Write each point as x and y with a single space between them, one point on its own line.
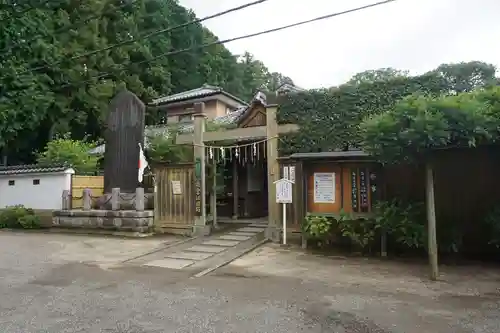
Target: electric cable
225 41
147 36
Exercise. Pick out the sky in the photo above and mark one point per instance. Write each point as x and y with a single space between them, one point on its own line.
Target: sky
415 35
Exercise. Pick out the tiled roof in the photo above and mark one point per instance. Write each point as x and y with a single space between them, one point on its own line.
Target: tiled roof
266 98
185 128
204 91
32 168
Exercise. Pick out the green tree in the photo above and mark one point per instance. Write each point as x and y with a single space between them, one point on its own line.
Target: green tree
275 80
162 148
330 119
373 75
466 76
254 75
418 124
73 95
73 153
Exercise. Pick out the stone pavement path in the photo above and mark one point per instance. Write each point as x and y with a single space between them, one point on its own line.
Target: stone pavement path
205 252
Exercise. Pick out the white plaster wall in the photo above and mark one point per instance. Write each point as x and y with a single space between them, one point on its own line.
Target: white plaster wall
46 195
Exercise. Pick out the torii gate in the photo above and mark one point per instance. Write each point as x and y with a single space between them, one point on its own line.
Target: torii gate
270 131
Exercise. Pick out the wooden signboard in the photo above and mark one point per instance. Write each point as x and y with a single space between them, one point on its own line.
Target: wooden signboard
354 190
198 201
324 187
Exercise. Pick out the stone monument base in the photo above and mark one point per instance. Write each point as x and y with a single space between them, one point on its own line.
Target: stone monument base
122 222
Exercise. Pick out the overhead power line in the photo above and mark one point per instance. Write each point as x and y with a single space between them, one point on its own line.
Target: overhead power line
77 24
225 41
147 36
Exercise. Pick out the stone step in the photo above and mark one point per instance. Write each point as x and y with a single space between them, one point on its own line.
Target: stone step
170 263
221 242
206 249
189 255
235 237
240 233
251 229
201 254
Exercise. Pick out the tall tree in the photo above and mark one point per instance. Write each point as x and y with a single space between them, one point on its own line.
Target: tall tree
373 75
71 95
276 80
466 76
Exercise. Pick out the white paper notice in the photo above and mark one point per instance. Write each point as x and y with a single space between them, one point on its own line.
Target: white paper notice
176 187
324 187
292 173
283 191
285 172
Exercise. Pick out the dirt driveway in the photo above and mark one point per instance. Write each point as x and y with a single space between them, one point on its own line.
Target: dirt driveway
62 283
394 296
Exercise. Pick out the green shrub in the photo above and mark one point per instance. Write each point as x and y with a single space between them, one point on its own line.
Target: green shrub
318 226
323 229
359 230
19 217
404 222
74 153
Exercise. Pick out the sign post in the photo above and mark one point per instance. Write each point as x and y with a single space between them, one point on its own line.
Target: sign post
284 197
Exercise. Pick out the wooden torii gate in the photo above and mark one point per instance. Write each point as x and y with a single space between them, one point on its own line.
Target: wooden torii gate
270 131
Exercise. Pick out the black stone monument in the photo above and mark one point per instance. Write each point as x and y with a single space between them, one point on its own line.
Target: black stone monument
124 132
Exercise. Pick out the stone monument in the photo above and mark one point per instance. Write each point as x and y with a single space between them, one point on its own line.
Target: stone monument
124 132
124 209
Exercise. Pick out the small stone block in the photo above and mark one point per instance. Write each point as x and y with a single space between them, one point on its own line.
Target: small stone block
251 229
221 242
190 255
239 233
170 263
207 249
235 238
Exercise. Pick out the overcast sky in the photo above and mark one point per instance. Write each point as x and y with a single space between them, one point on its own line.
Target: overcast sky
416 35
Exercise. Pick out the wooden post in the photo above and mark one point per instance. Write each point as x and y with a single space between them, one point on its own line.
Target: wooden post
383 244
213 195
246 197
236 190
300 199
200 182
431 223
273 172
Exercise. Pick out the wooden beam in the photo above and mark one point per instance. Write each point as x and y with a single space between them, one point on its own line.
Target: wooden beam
431 223
236 190
273 174
248 133
213 195
199 155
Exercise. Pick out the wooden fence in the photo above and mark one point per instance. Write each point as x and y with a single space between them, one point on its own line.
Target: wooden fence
79 183
174 210
466 188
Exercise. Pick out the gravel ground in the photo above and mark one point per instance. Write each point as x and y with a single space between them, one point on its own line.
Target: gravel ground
49 284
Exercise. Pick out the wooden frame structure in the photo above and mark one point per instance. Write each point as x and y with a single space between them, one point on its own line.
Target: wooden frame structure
250 128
